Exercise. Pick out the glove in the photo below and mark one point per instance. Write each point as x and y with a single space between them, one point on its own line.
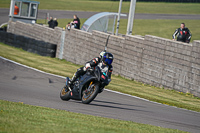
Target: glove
87 65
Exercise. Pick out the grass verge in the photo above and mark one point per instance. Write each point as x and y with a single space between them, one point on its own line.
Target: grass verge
157 27
112 6
64 68
19 117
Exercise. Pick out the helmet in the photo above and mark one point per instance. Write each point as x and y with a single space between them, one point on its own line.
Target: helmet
101 54
107 58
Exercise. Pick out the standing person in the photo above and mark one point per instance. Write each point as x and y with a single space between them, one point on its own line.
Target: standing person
183 34
76 22
16 10
55 22
51 23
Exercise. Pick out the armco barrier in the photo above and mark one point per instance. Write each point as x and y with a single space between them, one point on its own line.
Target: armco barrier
150 59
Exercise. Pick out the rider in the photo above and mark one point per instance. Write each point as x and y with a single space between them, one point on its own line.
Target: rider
104 62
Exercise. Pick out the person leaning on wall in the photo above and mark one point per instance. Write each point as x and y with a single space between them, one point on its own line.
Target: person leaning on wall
55 22
50 22
76 22
68 26
183 34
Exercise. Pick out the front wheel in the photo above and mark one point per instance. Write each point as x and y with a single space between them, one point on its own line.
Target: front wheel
65 94
90 93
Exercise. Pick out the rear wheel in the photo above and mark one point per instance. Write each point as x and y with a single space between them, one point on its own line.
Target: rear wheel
90 93
65 93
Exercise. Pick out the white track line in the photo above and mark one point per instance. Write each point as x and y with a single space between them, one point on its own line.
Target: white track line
31 68
104 89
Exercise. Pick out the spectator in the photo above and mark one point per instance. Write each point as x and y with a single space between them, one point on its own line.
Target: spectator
76 22
51 23
183 34
16 10
55 22
68 26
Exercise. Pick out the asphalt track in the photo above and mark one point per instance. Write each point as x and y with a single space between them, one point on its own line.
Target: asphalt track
21 84
4 12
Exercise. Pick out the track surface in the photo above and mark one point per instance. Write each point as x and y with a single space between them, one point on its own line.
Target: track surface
21 84
4 12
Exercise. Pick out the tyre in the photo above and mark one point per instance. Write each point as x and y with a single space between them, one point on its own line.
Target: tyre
51 50
65 94
90 93
50 46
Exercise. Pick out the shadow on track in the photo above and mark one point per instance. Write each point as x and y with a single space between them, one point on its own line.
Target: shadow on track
113 105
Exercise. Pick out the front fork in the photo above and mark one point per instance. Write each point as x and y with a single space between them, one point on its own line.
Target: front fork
89 87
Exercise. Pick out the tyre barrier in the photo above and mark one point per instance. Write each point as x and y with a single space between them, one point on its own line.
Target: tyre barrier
28 44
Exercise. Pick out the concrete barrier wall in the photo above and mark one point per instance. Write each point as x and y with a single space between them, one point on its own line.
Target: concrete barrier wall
82 46
152 60
36 31
194 73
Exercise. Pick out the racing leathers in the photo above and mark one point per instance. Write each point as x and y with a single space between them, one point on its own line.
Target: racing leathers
183 35
105 69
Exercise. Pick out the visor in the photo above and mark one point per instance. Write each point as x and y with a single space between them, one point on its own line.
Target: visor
109 61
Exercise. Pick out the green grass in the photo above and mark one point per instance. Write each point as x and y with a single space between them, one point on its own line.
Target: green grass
157 27
161 27
112 6
19 118
67 69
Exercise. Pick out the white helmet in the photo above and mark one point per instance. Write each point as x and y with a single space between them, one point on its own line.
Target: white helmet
101 54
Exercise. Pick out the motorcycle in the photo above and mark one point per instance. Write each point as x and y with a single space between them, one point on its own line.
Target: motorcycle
85 88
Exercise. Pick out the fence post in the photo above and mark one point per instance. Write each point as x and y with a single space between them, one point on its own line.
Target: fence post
62 44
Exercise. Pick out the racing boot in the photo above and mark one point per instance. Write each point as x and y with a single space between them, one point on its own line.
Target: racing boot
70 82
79 72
